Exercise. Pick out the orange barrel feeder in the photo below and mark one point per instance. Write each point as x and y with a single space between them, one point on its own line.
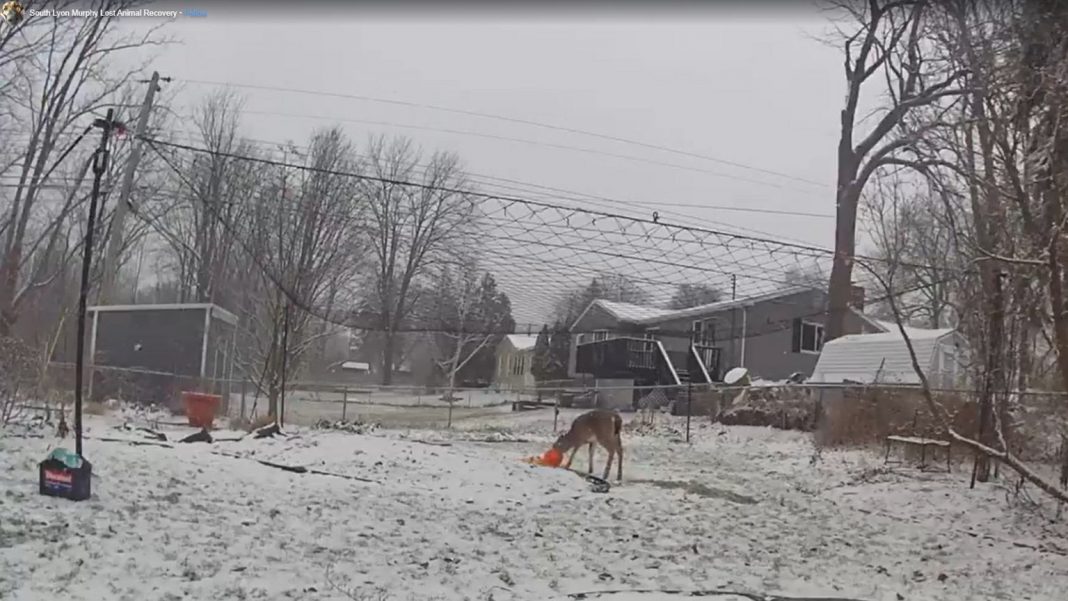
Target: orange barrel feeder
200 408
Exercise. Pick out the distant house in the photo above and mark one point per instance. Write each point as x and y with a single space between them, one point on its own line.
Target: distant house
515 359
773 335
885 358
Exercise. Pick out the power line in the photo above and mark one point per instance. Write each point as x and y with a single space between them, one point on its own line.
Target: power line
593 151
369 324
483 115
398 182
601 200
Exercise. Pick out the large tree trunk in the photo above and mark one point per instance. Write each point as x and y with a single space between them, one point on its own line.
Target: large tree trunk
388 346
845 234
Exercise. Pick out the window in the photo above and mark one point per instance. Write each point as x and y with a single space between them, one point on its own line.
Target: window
519 365
600 335
949 368
704 332
807 337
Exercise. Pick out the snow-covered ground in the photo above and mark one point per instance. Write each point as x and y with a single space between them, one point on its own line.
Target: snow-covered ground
451 515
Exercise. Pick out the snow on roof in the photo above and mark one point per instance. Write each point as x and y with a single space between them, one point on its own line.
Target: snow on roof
522 343
870 358
645 315
629 312
718 306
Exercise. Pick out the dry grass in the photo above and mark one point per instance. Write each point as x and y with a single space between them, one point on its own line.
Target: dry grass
862 417
94 408
251 424
865 417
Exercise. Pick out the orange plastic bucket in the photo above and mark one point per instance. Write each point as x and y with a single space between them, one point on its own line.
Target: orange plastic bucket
200 408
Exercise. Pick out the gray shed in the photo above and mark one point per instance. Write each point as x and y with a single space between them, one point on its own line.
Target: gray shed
164 348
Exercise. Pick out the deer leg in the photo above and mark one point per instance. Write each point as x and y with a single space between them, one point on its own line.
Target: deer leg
590 471
608 465
571 458
619 467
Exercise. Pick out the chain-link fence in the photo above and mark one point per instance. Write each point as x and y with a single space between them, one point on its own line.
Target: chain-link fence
837 415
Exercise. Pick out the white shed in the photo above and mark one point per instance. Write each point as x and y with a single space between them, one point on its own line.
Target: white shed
884 358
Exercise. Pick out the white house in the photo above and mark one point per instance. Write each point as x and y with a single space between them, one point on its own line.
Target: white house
515 359
884 358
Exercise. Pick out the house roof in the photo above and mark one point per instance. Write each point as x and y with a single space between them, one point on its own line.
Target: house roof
629 312
720 306
884 357
645 315
522 343
216 310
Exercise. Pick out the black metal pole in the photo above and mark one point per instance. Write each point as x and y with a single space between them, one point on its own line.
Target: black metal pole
285 361
689 412
100 165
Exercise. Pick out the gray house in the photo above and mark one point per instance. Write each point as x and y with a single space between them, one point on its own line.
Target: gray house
774 335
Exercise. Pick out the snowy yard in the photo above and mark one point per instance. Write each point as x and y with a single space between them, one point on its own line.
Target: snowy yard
741 509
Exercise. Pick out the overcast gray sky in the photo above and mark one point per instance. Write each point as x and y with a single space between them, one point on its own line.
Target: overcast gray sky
751 88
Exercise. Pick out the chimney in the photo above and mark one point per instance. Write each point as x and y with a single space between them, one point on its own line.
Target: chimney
856 297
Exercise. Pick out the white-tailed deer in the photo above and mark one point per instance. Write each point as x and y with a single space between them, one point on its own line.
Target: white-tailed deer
598 426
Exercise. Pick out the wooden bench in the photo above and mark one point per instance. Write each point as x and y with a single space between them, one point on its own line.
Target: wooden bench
923 443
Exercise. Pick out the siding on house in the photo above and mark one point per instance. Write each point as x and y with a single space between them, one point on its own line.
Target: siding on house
773 335
515 357
885 358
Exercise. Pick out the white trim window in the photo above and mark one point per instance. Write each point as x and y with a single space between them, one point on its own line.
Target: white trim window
600 335
807 337
704 332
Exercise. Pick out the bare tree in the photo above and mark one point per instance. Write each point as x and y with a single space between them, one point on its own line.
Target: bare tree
886 46
304 231
216 192
693 295
810 276
460 333
913 234
414 214
53 93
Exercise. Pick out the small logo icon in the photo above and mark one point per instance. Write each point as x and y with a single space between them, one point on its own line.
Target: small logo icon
12 12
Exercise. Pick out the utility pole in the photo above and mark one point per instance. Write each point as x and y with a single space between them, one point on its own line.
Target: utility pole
114 247
734 314
100 166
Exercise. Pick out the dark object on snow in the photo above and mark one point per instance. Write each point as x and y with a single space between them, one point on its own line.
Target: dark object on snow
148 443
62 430
267 431
598 485
57 478
354 427
202 436
160 436
300 469
296 469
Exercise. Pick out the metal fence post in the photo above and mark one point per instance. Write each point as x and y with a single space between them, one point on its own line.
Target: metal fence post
689 408
344 402
244 382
